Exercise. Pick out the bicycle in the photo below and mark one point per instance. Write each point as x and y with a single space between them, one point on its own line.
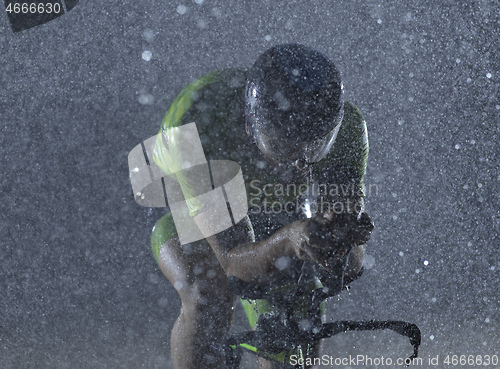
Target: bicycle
296 326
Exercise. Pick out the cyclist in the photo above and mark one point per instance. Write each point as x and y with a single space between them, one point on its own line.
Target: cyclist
285 122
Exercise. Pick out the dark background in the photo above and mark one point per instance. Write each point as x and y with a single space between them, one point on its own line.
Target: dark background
79 287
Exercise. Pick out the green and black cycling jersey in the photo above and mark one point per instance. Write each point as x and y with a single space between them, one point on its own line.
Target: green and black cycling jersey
215 102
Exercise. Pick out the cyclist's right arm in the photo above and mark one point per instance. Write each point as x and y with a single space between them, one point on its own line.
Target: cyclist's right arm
261 262
257 263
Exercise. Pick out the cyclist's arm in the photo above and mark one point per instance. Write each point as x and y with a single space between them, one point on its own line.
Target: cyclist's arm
259 262
341 178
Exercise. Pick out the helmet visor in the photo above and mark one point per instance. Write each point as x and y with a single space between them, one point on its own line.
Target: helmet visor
287 151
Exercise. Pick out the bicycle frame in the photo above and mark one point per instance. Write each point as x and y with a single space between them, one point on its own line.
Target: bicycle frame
280 336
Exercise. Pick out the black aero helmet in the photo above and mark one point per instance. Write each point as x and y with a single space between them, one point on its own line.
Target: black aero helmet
294 103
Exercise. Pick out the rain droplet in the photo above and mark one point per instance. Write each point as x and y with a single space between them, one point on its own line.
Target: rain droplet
148 35
488 75
305 324
431 337
216 12
211 274
267 38
181 9
163 302
426 262
153 278
369 262
147 55
202 23
282 262
146 99
197 270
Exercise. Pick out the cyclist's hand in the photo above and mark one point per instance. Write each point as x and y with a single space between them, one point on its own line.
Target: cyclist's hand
325 240
364 229
350 230
312 240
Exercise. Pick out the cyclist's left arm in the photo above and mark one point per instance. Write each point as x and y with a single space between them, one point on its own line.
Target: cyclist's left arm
340 176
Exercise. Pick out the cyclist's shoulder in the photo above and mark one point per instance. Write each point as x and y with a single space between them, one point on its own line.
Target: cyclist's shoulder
353 118
352 136
224 86
212 96
221 80
349 153
353 133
